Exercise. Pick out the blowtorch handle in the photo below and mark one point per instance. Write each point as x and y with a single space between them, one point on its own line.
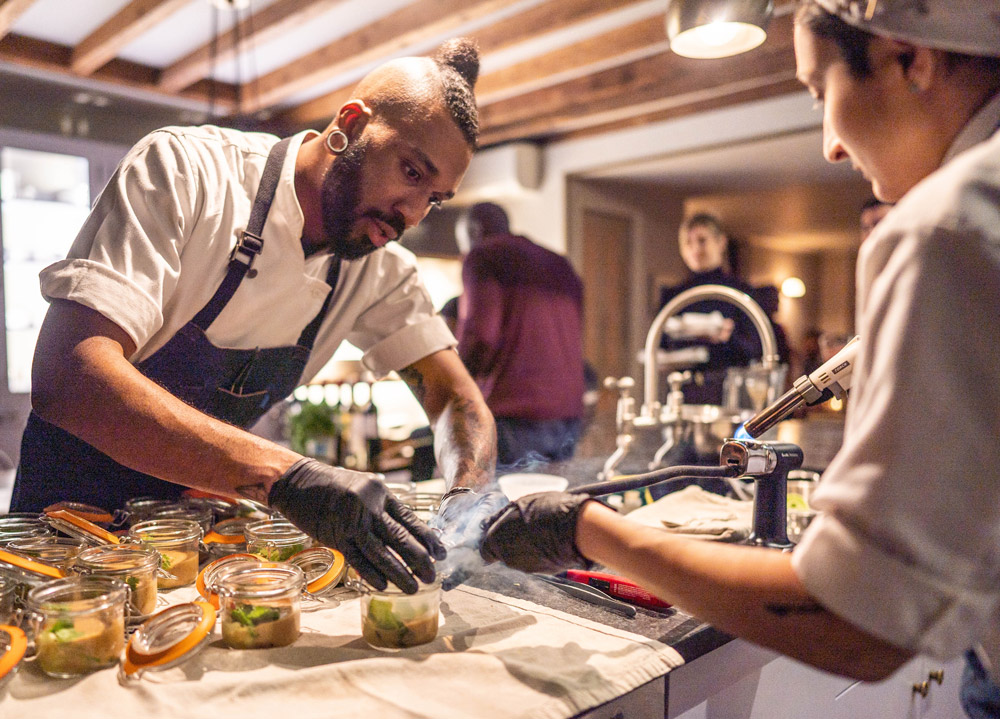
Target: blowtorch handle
638 481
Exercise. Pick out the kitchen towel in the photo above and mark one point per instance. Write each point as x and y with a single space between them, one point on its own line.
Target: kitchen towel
696 513
494 657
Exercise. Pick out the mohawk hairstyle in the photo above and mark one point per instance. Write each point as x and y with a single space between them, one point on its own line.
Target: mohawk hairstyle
458 62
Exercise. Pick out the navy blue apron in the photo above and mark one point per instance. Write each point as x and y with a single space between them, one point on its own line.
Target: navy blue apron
233 385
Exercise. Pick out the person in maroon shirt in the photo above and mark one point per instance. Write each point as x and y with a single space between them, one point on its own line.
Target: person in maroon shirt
520 334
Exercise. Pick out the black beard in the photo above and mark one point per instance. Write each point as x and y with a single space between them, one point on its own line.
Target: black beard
339 200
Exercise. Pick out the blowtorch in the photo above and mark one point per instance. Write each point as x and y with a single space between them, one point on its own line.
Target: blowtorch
830 379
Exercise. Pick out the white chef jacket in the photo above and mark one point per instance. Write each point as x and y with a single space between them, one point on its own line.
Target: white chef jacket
156 246
908 545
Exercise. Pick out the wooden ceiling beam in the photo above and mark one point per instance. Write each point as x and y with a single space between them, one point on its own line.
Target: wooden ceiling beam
658 83
10 11
136 18
264 26
617 47
121 75
545 18
529 25
386 37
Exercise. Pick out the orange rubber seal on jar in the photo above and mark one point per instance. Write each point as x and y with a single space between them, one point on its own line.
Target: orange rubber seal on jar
199 583
215 537
46 570
84 525
338 567
87 511
18 646
136 660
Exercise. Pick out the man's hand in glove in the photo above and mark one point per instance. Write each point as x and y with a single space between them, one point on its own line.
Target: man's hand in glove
460 520
536 533
354 513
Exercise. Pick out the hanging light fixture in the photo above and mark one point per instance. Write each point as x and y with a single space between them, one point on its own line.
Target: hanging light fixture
716 28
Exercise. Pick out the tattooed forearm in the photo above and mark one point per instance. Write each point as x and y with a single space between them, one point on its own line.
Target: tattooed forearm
785 610
465 442
256 492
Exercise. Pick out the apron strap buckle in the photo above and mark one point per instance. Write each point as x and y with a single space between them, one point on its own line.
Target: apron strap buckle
249 245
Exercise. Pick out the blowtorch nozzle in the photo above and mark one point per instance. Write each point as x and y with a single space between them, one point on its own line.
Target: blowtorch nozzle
830 379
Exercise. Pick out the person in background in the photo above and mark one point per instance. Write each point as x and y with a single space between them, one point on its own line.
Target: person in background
734 342
219 270
520 334
903 558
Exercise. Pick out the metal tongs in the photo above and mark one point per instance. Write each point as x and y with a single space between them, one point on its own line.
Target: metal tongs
589 594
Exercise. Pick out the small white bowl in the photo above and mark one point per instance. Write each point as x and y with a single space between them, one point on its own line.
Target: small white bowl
516 486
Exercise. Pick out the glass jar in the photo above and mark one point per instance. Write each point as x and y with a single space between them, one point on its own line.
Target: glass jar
179 510
58 551
139 509
227 537
275 540
7 589
324 569
177 541
13 645
391 619
21 526
215 571
260 606
24 573
80 624
97 515
134 565
167 639
73 525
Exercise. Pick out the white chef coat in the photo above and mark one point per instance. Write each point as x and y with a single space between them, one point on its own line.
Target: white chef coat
156 246
908 545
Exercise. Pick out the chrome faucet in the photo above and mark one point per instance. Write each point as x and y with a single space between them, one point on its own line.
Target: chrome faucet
649 414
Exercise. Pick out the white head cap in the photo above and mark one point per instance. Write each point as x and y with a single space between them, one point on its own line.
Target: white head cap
970 27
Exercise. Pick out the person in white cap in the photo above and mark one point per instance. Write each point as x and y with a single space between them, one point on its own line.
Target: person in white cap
904 558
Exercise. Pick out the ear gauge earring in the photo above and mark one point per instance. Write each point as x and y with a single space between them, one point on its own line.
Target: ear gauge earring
341 140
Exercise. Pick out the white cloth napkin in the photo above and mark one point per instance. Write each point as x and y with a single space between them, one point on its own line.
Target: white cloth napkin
695 512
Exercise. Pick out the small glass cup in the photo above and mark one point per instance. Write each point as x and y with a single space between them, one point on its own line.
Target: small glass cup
58 551
261 606
177 541
134 565
391 619
80 624
275 540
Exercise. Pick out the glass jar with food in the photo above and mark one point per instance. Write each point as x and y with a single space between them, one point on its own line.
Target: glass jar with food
391 619
214 572
79 624
177 541
136 566
260 606
227 537
22 574
59 551
275 540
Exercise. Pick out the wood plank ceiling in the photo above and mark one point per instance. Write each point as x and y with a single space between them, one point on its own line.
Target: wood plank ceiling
624 75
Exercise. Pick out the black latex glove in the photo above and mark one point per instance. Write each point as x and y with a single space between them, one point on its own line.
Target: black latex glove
460 520
354 513
536 533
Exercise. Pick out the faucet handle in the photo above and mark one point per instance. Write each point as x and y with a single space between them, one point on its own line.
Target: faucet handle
623 384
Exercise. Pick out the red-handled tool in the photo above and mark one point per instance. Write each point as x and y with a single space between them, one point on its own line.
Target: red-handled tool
617 587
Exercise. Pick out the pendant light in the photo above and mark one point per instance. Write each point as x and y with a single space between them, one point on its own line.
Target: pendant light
716 28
